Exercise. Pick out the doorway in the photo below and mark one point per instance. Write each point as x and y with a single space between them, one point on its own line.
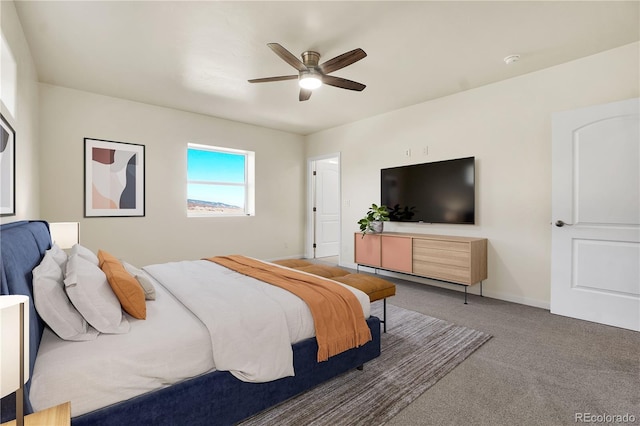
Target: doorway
324 208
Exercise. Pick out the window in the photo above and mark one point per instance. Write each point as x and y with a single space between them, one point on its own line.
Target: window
220 181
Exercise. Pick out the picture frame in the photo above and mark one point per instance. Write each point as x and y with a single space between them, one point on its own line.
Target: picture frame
7 168
114 178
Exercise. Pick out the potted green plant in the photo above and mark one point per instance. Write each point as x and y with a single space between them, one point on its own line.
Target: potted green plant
372 222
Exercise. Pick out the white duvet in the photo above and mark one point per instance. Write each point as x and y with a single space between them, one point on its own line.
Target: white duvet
252 324
116 367
205 317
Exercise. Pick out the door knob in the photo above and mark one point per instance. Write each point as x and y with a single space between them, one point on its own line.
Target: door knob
561 223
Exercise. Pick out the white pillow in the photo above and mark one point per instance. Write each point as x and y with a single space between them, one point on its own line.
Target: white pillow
85 253
91 294
54 306
143 280
59 256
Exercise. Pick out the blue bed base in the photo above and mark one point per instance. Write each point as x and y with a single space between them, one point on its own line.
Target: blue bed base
215 398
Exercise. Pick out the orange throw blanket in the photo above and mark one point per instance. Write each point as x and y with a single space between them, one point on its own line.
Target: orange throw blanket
337 314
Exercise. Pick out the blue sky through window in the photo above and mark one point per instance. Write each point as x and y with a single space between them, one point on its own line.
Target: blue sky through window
213 166
228 167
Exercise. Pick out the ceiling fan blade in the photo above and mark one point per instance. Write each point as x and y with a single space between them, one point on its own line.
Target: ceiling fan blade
342 83
268 79
305 94
287 56
342 61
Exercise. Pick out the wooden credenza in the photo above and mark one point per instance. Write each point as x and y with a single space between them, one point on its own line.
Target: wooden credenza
459 260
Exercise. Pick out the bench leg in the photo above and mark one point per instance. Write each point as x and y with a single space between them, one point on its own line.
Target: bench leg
384 315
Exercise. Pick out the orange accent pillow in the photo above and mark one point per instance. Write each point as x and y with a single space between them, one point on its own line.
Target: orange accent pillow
124 285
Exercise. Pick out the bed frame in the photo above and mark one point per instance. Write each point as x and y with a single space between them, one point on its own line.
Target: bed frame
215 398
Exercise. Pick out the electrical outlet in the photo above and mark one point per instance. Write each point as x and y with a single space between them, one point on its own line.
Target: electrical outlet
425 150
407 152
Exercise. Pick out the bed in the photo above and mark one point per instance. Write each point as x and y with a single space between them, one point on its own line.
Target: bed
207 397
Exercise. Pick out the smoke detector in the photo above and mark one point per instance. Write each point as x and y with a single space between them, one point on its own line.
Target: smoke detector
511 59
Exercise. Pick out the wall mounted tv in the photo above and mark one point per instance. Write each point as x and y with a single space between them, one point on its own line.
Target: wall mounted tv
438 192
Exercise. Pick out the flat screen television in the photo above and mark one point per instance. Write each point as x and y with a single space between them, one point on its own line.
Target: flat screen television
438 192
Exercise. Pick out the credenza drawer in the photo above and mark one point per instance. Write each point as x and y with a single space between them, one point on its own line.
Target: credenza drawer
441 245
442 272
461 259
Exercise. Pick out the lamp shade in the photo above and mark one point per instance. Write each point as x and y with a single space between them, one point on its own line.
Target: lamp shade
65 234
10 361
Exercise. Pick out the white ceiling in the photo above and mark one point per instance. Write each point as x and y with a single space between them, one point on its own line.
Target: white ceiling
198 56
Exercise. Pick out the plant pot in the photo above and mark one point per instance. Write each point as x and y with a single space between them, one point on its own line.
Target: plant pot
377 227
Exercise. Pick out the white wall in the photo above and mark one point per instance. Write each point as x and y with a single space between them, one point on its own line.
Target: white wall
22 115
507 127
165 233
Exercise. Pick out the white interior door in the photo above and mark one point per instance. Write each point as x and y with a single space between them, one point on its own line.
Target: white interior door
595 264
327 207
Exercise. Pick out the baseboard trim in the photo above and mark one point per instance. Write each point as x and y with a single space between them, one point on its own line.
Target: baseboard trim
474 289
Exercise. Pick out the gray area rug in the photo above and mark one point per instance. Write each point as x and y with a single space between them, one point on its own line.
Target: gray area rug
417 351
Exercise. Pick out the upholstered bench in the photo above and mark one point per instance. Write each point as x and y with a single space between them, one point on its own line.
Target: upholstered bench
324 271
292 263
376 288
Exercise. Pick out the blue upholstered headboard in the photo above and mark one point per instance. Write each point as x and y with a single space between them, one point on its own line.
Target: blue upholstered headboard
22 246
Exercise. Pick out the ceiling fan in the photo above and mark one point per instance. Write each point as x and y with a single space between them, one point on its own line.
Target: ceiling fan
311 75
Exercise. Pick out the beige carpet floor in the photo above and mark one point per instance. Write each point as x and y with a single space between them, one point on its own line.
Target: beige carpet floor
417 351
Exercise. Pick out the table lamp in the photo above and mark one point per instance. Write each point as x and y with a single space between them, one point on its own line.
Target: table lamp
65 234
14 349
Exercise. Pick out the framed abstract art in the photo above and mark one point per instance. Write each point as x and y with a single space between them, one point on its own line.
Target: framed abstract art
113 179
7 168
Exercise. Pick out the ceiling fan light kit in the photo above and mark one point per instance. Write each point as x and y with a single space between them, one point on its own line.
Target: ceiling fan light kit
310 79
311 75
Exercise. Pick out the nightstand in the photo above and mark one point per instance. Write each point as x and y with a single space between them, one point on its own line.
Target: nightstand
60 415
